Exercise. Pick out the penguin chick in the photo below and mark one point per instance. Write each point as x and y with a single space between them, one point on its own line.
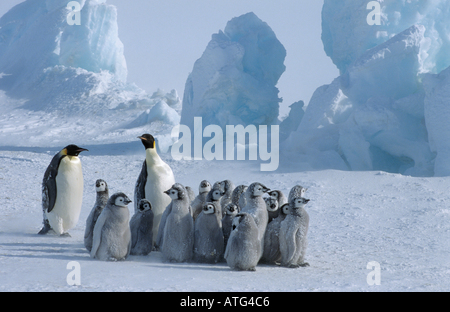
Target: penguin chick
208 235
272 207
238 196
101 187
215 194
62 191
293 234
141 227
231 210
279 196
112 235
178 239
296 192
243 248
256 207
228 187
198 202
272 254
156 176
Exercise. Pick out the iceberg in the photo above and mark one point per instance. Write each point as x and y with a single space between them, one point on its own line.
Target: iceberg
346 35
381 113
73 78
234 81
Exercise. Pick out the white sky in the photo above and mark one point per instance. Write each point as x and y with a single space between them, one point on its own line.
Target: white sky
164 38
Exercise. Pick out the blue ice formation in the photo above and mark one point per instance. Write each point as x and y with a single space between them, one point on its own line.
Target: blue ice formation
389 109
234 81
58 66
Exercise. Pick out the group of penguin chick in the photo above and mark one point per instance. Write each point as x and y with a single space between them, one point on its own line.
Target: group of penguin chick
221 223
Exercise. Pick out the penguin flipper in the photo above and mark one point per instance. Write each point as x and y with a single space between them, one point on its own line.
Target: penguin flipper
139 190
49 190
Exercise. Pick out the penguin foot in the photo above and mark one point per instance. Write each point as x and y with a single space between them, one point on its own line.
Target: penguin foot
46 228
65 235
304 264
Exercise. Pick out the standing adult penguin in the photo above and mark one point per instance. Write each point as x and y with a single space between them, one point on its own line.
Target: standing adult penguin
155 178
101 187
62 191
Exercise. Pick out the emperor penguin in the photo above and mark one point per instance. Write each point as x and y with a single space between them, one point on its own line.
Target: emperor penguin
101 187
293 234
256 207
238 196
62 191
228 187
296 192
231 210
272 207
112 235
141 226
272 254
279 196
155 178
208 235
215 194
243 248
197 204
178 239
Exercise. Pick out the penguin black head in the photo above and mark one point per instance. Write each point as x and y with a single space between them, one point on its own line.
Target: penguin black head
72 150
148 140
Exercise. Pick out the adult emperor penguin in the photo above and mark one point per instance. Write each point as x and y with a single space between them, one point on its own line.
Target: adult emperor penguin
156 177
62 191
101 187
293 234
112 235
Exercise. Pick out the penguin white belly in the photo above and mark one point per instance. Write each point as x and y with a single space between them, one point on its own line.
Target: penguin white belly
69 188
159 179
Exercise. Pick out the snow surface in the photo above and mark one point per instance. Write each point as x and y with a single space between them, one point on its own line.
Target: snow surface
355 217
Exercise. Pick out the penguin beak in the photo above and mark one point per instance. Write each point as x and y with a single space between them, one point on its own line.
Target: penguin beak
167 192
82 150
139 137
127 201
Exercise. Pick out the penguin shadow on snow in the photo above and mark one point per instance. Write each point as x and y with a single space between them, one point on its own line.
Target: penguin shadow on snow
69 252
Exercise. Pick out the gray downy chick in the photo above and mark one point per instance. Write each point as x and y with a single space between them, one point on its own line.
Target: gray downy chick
101 187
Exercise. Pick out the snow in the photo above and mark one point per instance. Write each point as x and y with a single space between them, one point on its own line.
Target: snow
355 217
234 81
